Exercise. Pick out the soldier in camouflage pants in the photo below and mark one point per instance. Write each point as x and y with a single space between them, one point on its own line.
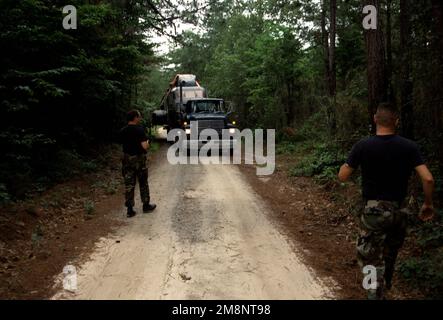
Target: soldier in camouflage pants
382 233
386 161
135 168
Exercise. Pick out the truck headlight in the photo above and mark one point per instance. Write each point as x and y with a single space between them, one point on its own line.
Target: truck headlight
188 131
232 130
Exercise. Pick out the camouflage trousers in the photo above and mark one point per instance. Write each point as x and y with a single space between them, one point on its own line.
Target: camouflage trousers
382 233
135 168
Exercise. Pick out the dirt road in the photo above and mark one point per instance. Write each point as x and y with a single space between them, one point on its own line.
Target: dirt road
209 238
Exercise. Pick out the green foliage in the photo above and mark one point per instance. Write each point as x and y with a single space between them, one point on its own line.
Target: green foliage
425 272
37 236
155 146
430 236
4 195
112 187
285 147
323 162
89 166
314 128
89 207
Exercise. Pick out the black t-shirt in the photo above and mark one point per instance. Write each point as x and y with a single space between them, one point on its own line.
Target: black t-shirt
387 163
131 138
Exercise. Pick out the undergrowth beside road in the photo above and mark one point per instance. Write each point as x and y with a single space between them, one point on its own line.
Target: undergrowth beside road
68 165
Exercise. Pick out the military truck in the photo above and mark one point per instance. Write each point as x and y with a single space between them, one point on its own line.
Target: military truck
187 101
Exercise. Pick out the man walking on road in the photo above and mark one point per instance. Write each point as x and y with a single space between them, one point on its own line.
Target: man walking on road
134 162
387 162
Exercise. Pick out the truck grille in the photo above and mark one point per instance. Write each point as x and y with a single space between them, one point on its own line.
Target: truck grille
218 125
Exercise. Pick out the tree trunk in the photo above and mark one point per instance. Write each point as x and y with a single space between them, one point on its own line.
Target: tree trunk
290 102
325 42
332 65
391 95
407 109
377 79
332 35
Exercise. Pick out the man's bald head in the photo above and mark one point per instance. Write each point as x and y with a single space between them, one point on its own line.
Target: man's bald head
386 116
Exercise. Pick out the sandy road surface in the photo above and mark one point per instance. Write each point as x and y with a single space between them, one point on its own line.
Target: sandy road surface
209 238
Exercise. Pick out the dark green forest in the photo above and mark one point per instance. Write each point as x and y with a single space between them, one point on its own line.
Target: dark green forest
305 68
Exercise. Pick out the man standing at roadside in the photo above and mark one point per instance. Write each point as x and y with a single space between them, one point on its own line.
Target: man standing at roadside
134 162
387 162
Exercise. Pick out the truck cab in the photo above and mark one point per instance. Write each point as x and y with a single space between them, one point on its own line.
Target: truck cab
209 113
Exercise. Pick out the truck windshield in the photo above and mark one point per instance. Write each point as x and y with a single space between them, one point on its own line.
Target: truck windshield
207 106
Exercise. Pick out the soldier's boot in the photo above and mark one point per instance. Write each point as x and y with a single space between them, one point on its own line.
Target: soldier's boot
376 294
130 212
147 207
